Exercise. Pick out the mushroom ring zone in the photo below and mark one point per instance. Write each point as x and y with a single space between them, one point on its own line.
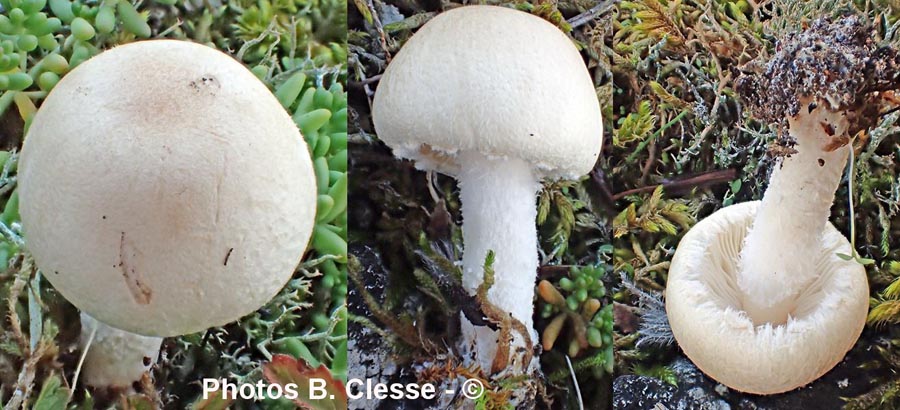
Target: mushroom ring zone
704 307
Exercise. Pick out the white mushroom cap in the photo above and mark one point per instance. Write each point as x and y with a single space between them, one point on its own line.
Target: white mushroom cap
494 80
703 303
164 189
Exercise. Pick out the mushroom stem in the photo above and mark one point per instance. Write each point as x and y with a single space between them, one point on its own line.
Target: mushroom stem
499 210
115 358
779 253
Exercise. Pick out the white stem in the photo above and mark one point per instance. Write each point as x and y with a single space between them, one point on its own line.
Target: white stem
115 358
499 211
779 253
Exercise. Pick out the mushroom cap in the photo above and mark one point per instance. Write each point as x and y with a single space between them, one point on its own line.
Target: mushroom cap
164 190
703 303
492 79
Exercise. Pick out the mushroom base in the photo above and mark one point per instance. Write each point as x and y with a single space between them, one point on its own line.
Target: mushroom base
115 358
705 309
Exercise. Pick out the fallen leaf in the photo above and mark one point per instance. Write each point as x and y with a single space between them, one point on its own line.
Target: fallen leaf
284 369
215 401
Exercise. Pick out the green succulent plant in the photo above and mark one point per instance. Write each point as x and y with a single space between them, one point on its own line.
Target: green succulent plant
321 114
41 41
576 300
312 28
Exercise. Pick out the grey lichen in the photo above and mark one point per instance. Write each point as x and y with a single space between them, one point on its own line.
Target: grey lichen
654 329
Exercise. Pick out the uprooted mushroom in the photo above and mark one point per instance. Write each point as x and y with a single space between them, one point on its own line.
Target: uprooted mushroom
759 296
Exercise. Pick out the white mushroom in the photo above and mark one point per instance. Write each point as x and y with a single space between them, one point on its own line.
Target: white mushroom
706 310
758 295
499 99
164 190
